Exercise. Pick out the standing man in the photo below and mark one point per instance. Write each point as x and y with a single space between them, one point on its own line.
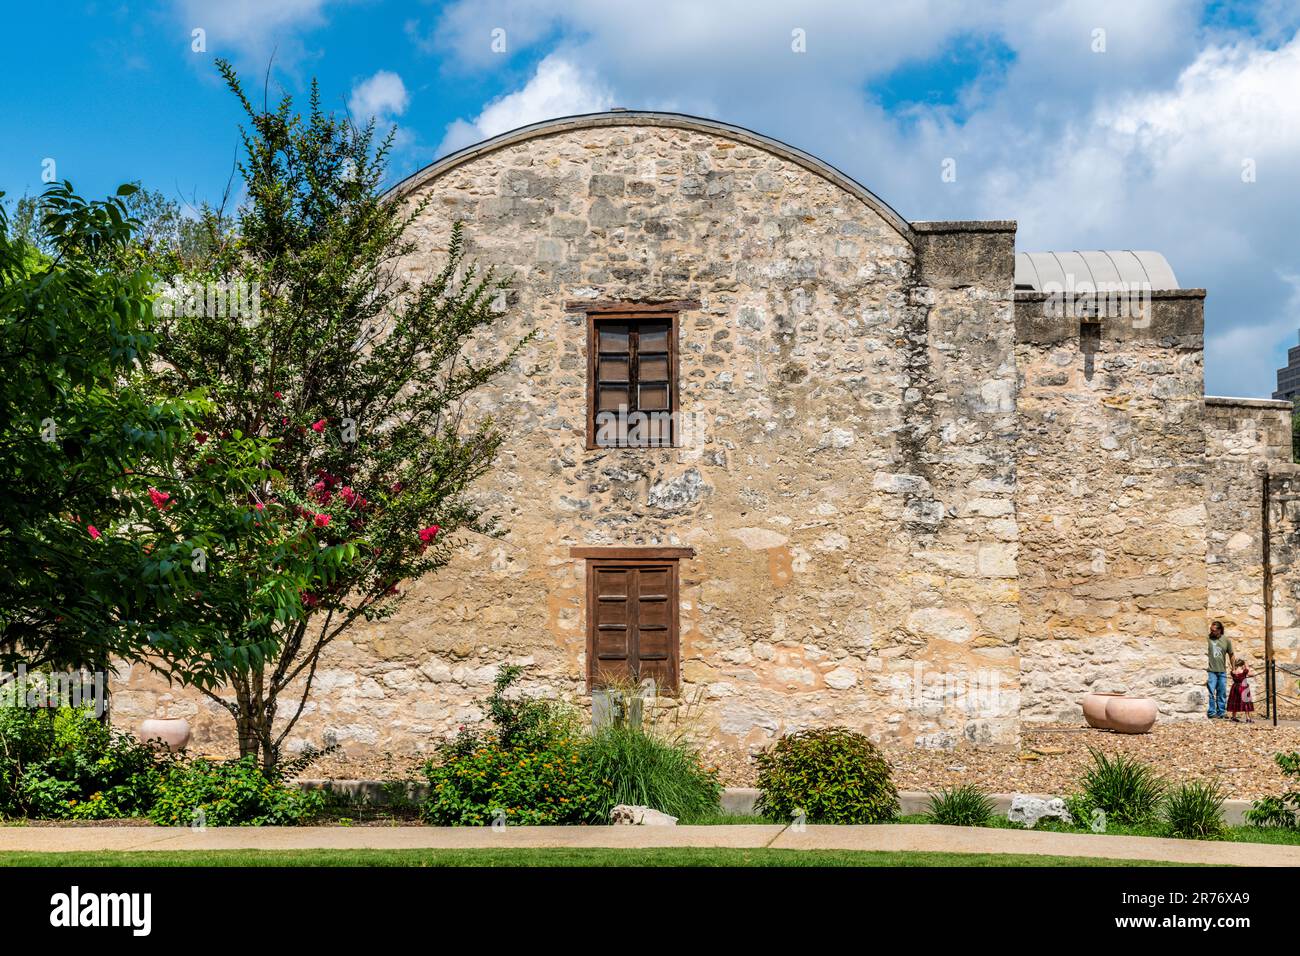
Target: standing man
1220 662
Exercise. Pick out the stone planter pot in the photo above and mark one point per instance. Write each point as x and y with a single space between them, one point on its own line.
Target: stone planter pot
172 731
1094 710
1131 715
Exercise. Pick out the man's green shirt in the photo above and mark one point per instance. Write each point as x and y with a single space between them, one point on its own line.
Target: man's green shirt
1219 652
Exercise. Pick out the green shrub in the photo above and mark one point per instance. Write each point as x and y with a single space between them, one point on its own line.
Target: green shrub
833 776
1083 811
516 721
66 764
520 786
1271 812
964 806
1126 790
639 768
1195 812
1280 811
230 793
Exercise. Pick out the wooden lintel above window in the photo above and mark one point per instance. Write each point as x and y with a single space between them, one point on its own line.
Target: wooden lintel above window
632 553
592 305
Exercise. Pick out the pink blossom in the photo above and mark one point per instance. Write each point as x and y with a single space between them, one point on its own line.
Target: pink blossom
92 530
159 498
318 426
309 599
279 395
322 521
428 534
259 506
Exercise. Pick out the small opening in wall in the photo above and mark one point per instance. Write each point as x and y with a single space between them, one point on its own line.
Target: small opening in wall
1089 345
1089 336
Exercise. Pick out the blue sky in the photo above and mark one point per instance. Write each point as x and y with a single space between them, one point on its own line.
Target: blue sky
1137 136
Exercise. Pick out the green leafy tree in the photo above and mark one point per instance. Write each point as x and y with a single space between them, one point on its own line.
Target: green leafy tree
174 240
24 223
122 528
361 376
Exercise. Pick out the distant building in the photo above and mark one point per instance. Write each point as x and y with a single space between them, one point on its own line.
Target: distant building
1288 379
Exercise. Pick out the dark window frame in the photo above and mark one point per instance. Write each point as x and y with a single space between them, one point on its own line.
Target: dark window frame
632 315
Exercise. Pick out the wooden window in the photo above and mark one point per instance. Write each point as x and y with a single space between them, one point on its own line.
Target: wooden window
632 628
632 379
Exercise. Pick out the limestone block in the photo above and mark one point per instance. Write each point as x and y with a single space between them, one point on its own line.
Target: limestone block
625 815
1029 810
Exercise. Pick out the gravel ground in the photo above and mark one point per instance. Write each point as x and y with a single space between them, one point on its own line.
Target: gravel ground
1051 759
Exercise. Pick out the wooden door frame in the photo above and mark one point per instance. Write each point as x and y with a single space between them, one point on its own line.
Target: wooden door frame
636 558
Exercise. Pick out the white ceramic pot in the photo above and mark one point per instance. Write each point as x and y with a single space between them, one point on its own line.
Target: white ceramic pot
174 732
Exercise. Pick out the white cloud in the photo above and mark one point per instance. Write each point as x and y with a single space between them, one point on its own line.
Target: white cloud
557 88
382 96
252 31
1163 169
1137 147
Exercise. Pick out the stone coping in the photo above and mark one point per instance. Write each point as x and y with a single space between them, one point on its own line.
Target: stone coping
964 225
1230 400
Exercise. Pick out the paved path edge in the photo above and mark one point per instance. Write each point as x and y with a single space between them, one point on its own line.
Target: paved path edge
883 837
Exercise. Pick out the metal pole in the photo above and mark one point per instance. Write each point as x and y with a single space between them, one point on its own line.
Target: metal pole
1268 588
1272 668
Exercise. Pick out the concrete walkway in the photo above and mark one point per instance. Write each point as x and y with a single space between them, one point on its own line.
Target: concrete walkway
889 837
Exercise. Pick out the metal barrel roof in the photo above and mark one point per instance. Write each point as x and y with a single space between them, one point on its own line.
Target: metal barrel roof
1095 269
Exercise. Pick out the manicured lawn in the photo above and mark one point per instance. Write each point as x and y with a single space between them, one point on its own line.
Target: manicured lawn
1237 834
721 818
690 856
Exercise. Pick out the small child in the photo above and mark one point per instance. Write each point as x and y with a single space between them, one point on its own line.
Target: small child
1240 698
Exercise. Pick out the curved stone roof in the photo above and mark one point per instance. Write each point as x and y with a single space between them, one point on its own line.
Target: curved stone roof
1071 270
672 121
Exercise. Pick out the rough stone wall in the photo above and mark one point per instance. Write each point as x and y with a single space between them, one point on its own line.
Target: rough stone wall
1241 435
1284 553
918 508
850 500
1111 506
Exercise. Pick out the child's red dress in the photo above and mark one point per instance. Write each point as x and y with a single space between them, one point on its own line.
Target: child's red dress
1240 699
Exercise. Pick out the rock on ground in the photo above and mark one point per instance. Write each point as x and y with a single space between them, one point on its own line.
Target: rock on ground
640 816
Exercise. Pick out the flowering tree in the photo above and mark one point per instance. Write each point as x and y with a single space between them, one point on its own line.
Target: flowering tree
94 562
358 375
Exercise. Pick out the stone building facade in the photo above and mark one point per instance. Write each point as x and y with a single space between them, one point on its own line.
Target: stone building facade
901 495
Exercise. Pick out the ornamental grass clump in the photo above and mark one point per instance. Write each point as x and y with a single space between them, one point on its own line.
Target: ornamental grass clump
1126 790
964 806
1195 812
640 769
833 775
